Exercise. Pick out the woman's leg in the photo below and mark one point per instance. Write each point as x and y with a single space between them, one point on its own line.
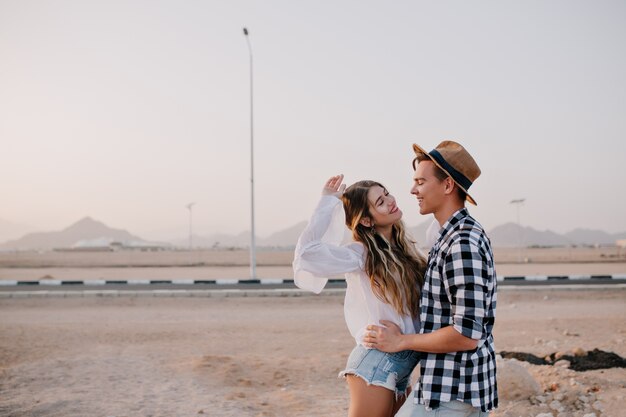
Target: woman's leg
398 402
369 400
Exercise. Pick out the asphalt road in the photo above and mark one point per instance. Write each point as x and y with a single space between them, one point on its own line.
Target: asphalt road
338 284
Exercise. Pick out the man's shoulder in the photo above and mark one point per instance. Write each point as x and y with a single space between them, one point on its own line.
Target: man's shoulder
466 228
467 235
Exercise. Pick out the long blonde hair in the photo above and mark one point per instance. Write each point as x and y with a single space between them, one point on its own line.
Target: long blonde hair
395 268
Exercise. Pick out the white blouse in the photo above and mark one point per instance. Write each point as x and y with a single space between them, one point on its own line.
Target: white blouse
319 254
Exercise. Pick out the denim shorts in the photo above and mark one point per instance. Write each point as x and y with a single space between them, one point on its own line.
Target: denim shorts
388 370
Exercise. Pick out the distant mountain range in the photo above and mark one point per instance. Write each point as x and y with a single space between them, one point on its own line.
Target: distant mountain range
84 233
10 230
88 232
510 235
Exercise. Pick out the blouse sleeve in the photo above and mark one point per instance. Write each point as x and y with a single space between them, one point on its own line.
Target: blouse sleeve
319 252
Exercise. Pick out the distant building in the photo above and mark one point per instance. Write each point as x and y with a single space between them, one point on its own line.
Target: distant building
105 244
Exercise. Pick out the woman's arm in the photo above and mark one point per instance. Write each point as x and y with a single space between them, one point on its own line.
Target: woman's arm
318 253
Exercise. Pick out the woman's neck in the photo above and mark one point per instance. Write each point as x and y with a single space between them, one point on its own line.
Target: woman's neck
385 232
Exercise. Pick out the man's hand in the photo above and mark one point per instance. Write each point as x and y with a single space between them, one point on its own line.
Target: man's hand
385 339
334 186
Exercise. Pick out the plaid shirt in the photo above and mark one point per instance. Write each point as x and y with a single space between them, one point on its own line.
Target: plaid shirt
460 291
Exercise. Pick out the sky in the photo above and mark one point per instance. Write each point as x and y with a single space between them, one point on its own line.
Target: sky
127 111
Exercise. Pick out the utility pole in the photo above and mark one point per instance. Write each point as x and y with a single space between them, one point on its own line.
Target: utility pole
518 202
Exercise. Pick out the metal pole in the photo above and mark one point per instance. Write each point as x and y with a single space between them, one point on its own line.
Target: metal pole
189 206
518 202
252 237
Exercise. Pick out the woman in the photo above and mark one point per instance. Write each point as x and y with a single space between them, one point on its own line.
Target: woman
384 274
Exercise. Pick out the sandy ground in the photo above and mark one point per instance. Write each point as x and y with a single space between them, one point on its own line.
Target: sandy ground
265 257
167 356
269 272
223 264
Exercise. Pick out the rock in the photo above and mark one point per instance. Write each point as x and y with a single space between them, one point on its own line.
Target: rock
590 415
583 399
580 352
562 363
574 383
556 405
597 406
515 382
559 396
545 415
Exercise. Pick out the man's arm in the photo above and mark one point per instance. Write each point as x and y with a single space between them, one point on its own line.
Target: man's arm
465 282
391 339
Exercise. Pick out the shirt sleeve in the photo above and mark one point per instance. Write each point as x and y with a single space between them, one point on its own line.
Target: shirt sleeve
319 253
466 282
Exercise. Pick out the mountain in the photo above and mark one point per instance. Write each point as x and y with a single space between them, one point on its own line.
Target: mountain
592 237
510 235
506 235
91 233
284 238
85 229
10 230
219 240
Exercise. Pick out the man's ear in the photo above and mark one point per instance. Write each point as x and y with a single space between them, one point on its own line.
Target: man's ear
366 221
449 185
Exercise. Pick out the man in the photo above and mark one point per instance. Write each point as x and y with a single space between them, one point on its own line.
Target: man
458 301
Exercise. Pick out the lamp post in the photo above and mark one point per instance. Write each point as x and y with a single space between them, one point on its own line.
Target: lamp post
189 207
518 202
252 238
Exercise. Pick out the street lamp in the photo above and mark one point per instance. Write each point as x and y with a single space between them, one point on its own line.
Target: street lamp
518 202
189 207
252 239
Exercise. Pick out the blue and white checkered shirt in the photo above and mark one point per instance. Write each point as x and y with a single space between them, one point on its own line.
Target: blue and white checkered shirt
460 291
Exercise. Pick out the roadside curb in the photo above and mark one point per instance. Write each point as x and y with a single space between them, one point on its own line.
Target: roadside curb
224 293
234 293
272 281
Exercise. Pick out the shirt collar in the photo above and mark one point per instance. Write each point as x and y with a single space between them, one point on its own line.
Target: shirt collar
451 223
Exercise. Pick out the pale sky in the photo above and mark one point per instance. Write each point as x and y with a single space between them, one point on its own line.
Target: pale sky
126 111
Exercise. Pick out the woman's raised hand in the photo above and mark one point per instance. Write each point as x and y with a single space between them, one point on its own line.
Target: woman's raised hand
334 186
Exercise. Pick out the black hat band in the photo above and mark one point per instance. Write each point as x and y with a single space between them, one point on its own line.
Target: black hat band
456 175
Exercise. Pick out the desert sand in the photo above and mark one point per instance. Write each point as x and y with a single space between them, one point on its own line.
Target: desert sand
273 356
233 264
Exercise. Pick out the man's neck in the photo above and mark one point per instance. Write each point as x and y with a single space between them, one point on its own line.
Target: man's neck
445 212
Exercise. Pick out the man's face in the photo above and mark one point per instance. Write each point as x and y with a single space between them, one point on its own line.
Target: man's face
428 189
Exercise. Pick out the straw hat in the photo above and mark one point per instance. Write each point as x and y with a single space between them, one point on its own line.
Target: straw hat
455 161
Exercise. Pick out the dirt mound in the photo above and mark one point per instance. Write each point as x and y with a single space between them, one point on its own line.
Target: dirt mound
584 361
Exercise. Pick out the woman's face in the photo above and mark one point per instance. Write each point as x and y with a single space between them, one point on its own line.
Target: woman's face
383 207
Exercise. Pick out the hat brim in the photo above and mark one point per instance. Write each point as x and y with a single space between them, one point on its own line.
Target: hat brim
421 151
